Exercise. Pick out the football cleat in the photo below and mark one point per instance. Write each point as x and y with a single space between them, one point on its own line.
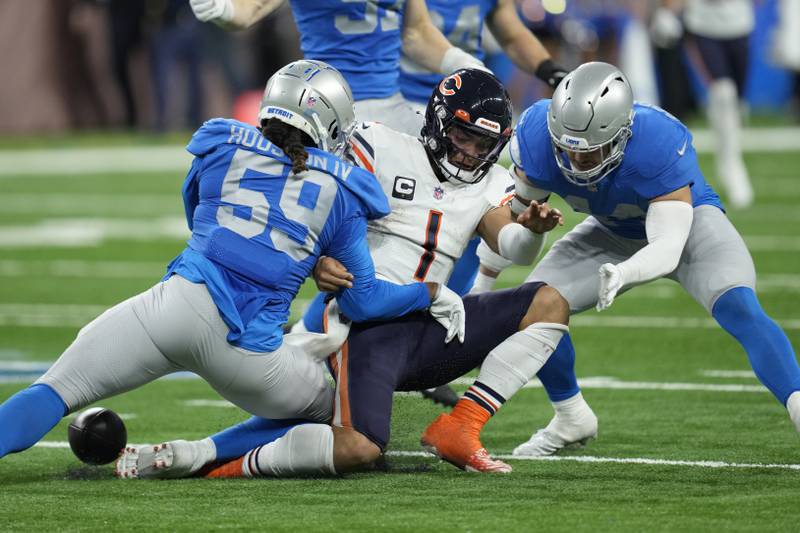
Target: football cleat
736 182
442 394
459 443
169 460
559 435
230 470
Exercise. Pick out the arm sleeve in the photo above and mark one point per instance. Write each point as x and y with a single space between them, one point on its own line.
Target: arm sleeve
518 244
667 224
370 298
191 191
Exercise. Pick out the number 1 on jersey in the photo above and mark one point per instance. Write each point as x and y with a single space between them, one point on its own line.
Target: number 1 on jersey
431 242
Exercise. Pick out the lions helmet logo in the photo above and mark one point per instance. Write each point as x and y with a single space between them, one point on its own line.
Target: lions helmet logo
450 85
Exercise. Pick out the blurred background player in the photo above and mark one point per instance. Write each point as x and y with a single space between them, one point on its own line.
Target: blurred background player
219 311
462 22
363 40
634 170
719 34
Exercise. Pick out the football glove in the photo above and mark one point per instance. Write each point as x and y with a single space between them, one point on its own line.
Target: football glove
551 73
448 310
665 28
212 10
610 284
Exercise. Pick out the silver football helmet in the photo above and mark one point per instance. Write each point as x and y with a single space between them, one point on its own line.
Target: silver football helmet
313 97
589 121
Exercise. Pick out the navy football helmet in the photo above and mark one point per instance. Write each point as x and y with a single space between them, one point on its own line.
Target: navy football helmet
467 124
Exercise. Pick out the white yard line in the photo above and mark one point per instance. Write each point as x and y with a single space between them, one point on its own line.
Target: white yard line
589 320
624 460
772 243
70 268
72 315
79 232
612 383
83 204
169 158
70 161
208 403
565 458
728 374
26 370
64 315
62 268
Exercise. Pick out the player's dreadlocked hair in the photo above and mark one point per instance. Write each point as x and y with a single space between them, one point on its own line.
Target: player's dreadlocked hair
291 140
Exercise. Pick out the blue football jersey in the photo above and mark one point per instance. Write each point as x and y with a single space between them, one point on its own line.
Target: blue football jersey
461 21
361 38
257 232
659 158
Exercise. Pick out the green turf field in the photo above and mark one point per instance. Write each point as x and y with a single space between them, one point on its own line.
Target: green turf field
688 438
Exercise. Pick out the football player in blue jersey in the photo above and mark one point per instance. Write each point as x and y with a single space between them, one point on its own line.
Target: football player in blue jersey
263 205
363 40
462 23
634 170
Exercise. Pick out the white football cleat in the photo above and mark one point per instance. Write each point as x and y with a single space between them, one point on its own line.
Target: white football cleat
558 435
736 182
170 460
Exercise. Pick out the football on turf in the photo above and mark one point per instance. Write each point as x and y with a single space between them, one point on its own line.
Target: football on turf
97 435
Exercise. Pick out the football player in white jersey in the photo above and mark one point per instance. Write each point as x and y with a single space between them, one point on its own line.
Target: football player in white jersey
462 22
443 188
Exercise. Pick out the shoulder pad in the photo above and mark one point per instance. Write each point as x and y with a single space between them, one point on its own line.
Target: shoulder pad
362 184
223 131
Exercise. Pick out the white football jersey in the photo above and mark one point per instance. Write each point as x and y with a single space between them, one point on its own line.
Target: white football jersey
432 221
719 19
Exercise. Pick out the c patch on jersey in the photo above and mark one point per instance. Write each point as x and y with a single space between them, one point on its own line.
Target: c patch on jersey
404 188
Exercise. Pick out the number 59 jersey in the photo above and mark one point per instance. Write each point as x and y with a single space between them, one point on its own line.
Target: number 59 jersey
258 230
431 220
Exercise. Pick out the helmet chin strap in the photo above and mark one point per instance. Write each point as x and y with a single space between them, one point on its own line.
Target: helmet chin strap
451 171
322 132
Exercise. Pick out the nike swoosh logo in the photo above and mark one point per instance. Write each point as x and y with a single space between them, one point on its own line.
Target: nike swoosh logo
683 148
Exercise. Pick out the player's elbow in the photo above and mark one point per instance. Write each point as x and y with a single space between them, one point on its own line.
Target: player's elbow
410 41
359 307
518 244
672 258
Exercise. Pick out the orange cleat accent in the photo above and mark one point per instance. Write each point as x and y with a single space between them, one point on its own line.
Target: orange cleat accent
458 442
471 413
231 469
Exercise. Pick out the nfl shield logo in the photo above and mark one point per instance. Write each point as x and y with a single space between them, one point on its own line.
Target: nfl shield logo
438 193
310 101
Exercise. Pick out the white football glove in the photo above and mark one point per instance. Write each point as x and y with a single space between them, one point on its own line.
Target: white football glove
665 28
610 284
448 310
212 10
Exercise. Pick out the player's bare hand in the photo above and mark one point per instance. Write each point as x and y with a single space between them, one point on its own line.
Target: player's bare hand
330 275
539 217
